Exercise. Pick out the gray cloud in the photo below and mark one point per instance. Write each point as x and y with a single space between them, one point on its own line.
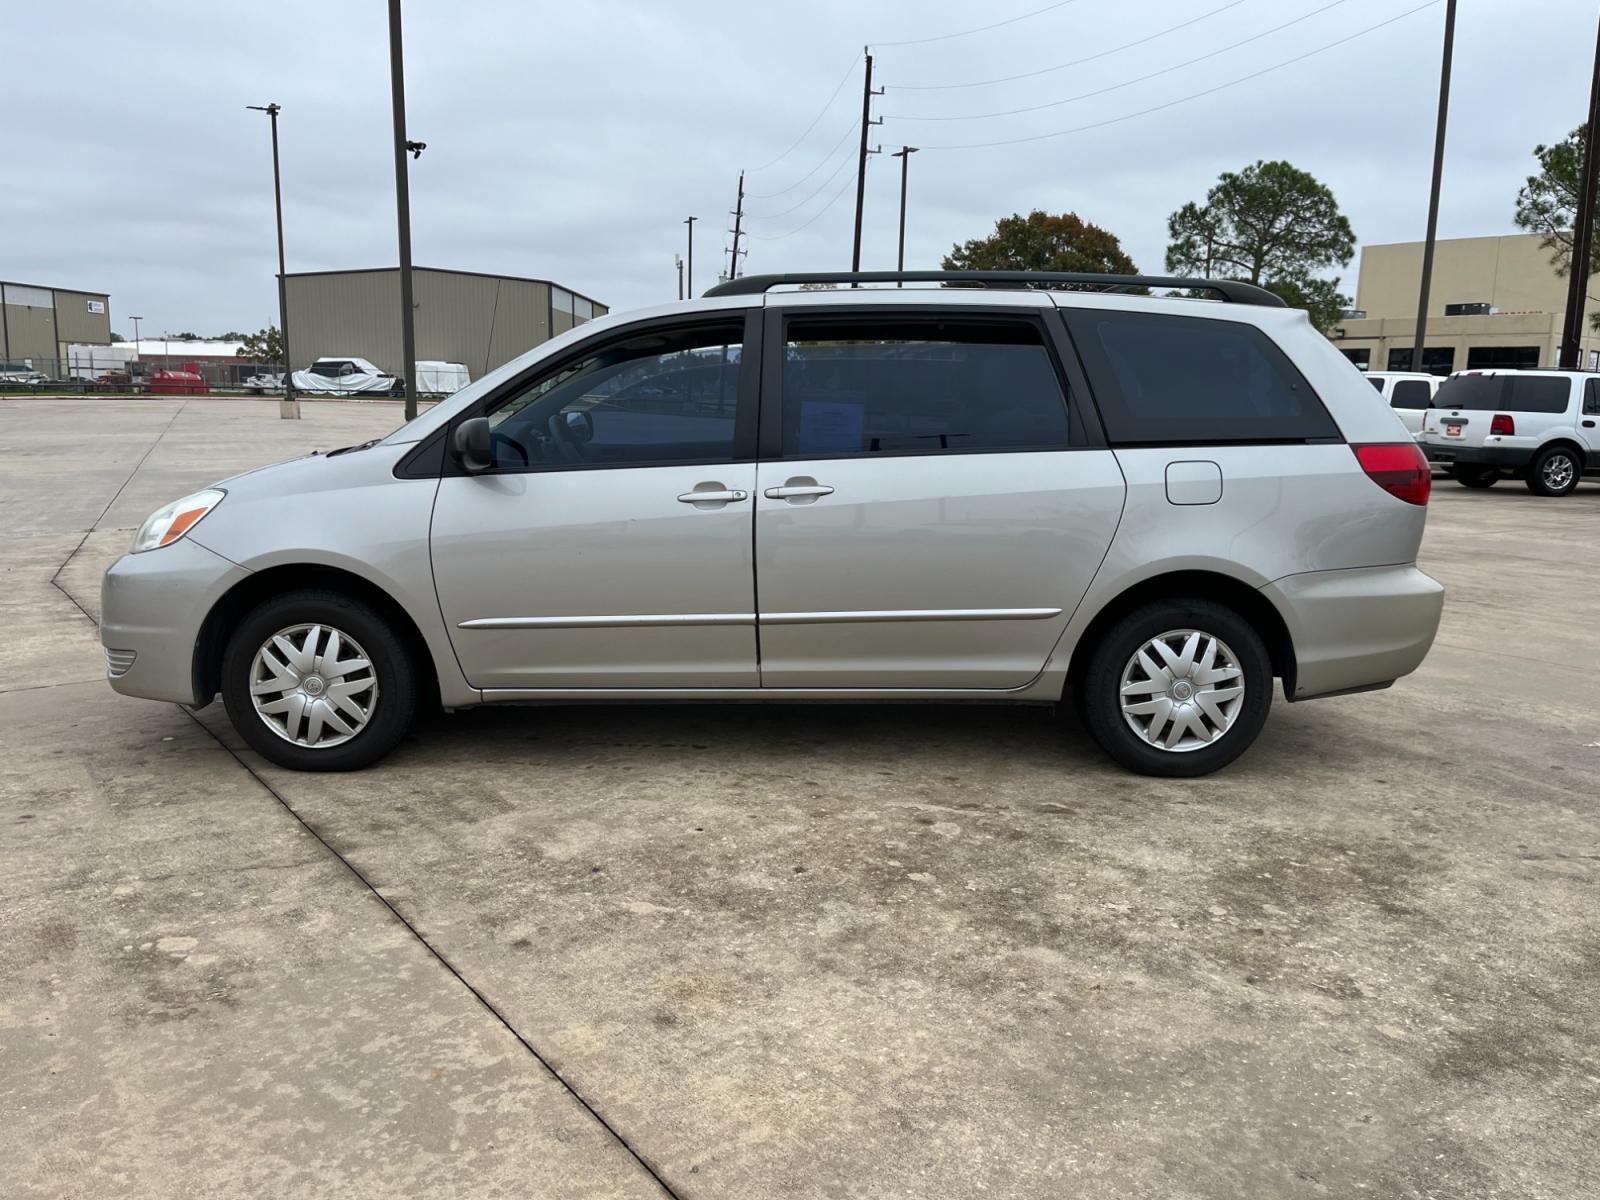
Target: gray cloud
569 141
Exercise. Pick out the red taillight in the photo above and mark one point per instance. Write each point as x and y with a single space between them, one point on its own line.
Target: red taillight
1502 423
1399 468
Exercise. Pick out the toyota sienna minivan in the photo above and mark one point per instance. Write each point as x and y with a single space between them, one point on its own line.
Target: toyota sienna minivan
965 488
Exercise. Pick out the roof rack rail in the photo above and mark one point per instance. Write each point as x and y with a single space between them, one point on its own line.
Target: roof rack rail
1231 291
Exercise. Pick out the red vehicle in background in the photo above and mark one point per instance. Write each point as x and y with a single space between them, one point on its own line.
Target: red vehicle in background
187 382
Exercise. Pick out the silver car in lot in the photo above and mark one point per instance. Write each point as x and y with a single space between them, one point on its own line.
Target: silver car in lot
964 488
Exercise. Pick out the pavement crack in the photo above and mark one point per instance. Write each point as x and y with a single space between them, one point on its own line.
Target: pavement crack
439 956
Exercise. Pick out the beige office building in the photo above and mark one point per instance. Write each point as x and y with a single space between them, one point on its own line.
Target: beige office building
464 317
1494 302
37 324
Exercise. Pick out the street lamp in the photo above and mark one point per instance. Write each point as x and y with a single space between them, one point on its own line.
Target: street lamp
136 357
677 261
904 155
689 221
289 409
402 202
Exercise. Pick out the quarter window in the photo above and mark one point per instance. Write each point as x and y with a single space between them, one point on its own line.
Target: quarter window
653 400
1591 398
930 386
1165 379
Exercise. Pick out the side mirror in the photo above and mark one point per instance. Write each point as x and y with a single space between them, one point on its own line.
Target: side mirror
471 445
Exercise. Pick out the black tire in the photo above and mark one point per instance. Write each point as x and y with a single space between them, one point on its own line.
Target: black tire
1475 477
394 704
1100 686
1547 464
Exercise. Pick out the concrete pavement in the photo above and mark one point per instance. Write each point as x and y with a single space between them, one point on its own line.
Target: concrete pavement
786 951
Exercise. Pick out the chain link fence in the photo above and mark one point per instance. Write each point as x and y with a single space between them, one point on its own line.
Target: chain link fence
106 369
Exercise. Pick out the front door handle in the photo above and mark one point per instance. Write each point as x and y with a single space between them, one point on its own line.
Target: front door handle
800 490
1588 424
713 494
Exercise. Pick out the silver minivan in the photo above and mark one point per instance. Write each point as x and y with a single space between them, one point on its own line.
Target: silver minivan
977 486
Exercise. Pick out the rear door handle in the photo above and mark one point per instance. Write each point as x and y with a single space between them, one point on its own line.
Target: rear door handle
1588 424
714 496
790 493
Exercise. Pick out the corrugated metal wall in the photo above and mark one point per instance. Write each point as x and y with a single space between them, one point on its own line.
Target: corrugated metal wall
37 322
480 320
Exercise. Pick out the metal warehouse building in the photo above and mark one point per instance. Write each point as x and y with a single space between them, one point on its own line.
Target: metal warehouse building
37 324
461 316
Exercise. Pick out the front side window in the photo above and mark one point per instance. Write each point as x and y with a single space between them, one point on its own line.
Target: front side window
919 386
1411 393
1163 379
651 400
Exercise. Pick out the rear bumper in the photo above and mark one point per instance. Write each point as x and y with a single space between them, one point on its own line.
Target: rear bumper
152 606
1507 458
1358 628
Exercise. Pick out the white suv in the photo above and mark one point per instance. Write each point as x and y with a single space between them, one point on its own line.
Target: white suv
1540 426
1410 395
1151 506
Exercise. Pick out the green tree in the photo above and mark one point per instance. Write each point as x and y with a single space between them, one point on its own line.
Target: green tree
1548 204
1043 241
116 337
1270 224
265 345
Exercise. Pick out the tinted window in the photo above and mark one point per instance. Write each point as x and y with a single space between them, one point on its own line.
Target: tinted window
1361 357
918 387
1507 393
1436 360
1376 381
1411 393
1591 398
1483 358
652 400
1191 379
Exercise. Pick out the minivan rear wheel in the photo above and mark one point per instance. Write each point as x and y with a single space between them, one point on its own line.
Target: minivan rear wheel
318 681
1554 472
1178 687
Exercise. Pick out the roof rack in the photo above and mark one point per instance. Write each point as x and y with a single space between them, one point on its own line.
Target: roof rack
1231 291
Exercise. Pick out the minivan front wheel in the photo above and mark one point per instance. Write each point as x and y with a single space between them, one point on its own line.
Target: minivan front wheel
318 681
1177 688
1554 472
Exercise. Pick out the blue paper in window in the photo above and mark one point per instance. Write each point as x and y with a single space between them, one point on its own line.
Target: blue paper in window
831 426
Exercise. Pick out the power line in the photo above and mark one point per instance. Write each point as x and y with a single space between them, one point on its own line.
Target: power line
813 125
1012 112
944 37
844 160
821 162
1039 137
1077 62
774 237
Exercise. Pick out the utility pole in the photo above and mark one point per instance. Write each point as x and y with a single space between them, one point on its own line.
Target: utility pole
1438 174
689 221
738 217
861 162
1582 235
136 357
402 200
677 261
904 155
289 409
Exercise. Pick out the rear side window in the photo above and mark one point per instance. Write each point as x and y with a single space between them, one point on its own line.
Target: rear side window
1161 379
918 386
1411 393
1375 382
1507 393
1591 398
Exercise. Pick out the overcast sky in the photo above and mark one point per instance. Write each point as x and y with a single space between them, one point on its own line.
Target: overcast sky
568 141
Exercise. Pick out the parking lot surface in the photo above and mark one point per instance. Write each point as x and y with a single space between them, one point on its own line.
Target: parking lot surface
723 951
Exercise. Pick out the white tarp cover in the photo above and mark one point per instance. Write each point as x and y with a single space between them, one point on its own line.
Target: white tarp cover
436 378
342 377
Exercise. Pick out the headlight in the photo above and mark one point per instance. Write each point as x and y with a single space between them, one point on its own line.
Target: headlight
166 525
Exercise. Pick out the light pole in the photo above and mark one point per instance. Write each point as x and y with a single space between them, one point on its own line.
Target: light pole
690 223
904 155
1433 195
136 358
677 261
1571 358
402 201
289 410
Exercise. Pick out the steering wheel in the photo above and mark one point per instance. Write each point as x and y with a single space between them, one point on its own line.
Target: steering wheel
562 440
497 440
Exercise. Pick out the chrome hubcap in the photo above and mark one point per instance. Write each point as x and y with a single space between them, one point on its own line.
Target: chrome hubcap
1558 471
1182 690
313 685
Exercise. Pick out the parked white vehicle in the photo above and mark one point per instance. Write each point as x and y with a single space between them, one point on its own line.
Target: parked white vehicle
1542 427
1409 393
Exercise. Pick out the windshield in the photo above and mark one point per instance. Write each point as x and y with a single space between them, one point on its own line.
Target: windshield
1475 392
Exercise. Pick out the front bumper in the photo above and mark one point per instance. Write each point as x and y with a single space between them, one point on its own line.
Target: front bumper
1357 628
152 606
1506 458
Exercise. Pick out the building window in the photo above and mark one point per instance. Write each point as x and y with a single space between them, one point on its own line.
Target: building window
1362 357
1436 360
1485 358
583 309
561 301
